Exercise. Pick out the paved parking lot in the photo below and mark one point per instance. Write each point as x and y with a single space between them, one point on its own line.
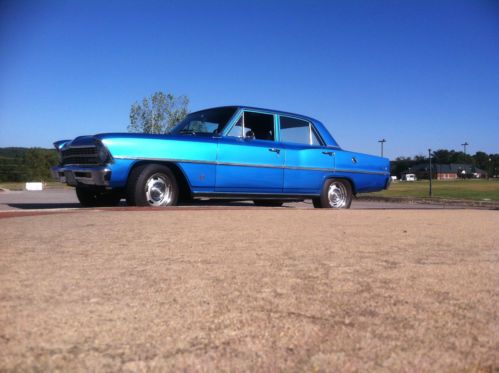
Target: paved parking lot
250 289
65 198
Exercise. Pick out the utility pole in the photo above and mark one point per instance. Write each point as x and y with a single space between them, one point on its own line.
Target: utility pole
429 157
382 142
464 146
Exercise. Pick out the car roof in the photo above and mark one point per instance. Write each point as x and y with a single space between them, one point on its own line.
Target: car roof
324 133
280 112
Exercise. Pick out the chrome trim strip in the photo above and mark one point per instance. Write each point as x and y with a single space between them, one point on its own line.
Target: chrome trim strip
163 159
361 171
251 195
79 165
80 146
251 165
246 165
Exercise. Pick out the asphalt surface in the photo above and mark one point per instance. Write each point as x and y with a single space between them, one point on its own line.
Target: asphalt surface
65 198
223 289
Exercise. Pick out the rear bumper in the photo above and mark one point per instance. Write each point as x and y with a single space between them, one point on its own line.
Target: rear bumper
77 175
388 182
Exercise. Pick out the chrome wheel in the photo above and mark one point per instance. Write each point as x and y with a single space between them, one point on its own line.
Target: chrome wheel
159 190
337 195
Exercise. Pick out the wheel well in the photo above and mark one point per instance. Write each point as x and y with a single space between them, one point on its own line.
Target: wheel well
183 184
354 191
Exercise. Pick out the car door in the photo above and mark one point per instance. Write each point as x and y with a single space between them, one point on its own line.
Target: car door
249 159
308 162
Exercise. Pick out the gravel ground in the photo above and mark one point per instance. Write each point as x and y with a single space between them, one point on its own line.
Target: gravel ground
250 290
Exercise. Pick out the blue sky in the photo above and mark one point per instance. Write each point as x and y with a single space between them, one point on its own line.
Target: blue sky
418 73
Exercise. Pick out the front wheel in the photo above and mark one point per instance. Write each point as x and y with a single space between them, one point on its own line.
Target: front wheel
152 185
335 194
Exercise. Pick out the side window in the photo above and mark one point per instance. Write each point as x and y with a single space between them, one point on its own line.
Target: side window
314 137
298 131
256 125
237 129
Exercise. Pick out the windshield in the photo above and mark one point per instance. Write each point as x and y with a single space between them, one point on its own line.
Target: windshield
206 122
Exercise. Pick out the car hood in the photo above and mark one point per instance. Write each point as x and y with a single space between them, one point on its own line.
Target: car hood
90 140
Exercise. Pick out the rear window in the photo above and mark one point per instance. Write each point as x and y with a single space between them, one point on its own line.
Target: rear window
298 131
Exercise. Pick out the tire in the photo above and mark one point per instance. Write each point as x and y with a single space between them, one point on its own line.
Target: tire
268 203
152 185
335 194
89 197
317 203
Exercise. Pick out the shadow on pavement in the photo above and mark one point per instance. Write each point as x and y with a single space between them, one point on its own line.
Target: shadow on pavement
241 204
202 203
34 206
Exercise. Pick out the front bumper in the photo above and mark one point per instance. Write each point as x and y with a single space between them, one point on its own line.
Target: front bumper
77 175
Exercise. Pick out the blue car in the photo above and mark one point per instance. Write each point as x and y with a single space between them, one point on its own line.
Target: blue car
231 152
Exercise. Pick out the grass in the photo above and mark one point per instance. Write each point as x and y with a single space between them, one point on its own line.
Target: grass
21 185
459 189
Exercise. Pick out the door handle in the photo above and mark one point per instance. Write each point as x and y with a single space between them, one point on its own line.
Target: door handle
327 153
275 150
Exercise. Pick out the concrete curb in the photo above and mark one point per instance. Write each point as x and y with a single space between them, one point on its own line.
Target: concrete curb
490 205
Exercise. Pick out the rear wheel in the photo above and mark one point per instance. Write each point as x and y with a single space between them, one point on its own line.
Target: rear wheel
335 194
152 185
269 203
90 197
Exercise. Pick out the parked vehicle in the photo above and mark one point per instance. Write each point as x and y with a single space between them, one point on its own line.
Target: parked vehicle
409 177
234 152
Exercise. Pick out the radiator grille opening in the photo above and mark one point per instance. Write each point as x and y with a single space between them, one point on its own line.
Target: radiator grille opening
83 155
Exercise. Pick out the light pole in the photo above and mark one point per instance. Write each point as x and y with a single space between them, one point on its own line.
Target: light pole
464 146
429 157
382 141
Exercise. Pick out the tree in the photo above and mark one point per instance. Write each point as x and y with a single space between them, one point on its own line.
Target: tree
493 168
442 156
461 157
158 113
38 162
400 164
482 160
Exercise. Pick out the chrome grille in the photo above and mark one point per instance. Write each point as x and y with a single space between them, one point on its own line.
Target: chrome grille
83 155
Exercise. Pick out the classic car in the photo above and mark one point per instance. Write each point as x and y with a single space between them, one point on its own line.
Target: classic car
230 152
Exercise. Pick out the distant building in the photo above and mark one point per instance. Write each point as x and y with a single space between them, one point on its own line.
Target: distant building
447 171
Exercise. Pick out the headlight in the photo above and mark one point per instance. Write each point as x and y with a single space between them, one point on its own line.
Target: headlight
103 155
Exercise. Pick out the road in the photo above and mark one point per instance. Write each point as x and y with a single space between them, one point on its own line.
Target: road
65 198
249 289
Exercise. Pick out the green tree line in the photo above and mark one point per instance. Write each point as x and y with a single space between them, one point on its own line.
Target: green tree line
26 164
482 160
